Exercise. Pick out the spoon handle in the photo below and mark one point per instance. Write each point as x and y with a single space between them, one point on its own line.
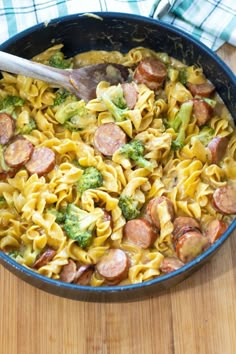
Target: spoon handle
17 65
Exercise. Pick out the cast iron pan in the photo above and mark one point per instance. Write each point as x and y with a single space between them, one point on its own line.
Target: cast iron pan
116 31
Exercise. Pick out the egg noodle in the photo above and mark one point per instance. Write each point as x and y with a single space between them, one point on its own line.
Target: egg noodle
185 176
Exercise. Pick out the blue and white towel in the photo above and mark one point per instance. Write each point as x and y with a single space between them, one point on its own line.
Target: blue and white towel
213 22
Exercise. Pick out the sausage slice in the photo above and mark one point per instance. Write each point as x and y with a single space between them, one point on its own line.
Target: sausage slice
215 229
151 72
169 264
108 138
113 266
41 162
44 258
130 94
218 147
7 127
184 224
140 232
190 245
152 209
205 89
7 174
202 111
224 199
18 152
84 274
152 69
68 272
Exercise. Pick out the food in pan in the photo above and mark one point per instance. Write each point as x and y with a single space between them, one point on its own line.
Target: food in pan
126 187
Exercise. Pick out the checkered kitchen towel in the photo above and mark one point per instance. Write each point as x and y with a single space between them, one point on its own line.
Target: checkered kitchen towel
211 21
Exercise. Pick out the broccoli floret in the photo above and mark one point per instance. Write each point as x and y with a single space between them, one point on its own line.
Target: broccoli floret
67 110
134 150
115 103
74 115
205 135
211 102
9 103
79 224
128 207
164 57
91 178
59 214
58 60
183 75
172 73
61 96
26 128
180 124
3 202
14 253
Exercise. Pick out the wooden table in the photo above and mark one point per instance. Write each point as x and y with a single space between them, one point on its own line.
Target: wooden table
198 316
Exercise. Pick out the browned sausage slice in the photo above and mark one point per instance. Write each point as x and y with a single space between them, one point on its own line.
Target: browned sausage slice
152 209
190 245
169 264
151 72
224 199
152 69
140 232
218 147
215 229
108 138
9 174
114 265
183 224
202 111
7 126
68 272
152 85
205 89
44 258
84 274
41 162
18 152
130 94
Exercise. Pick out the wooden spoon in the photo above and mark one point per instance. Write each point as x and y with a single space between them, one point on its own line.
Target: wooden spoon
82 82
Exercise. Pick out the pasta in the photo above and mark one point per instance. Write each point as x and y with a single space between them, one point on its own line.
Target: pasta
171 179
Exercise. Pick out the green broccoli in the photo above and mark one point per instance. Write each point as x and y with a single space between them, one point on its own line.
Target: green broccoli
67 110
211 102
3 202
59 214
26 128
205 135
58 60
79 224
183 75
134 150
180 124
74 115
91 178
128 207
172 73
61 96
164 57
115 103
9 103
14 253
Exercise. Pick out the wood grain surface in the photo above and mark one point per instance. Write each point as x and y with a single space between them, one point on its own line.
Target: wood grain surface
196 317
